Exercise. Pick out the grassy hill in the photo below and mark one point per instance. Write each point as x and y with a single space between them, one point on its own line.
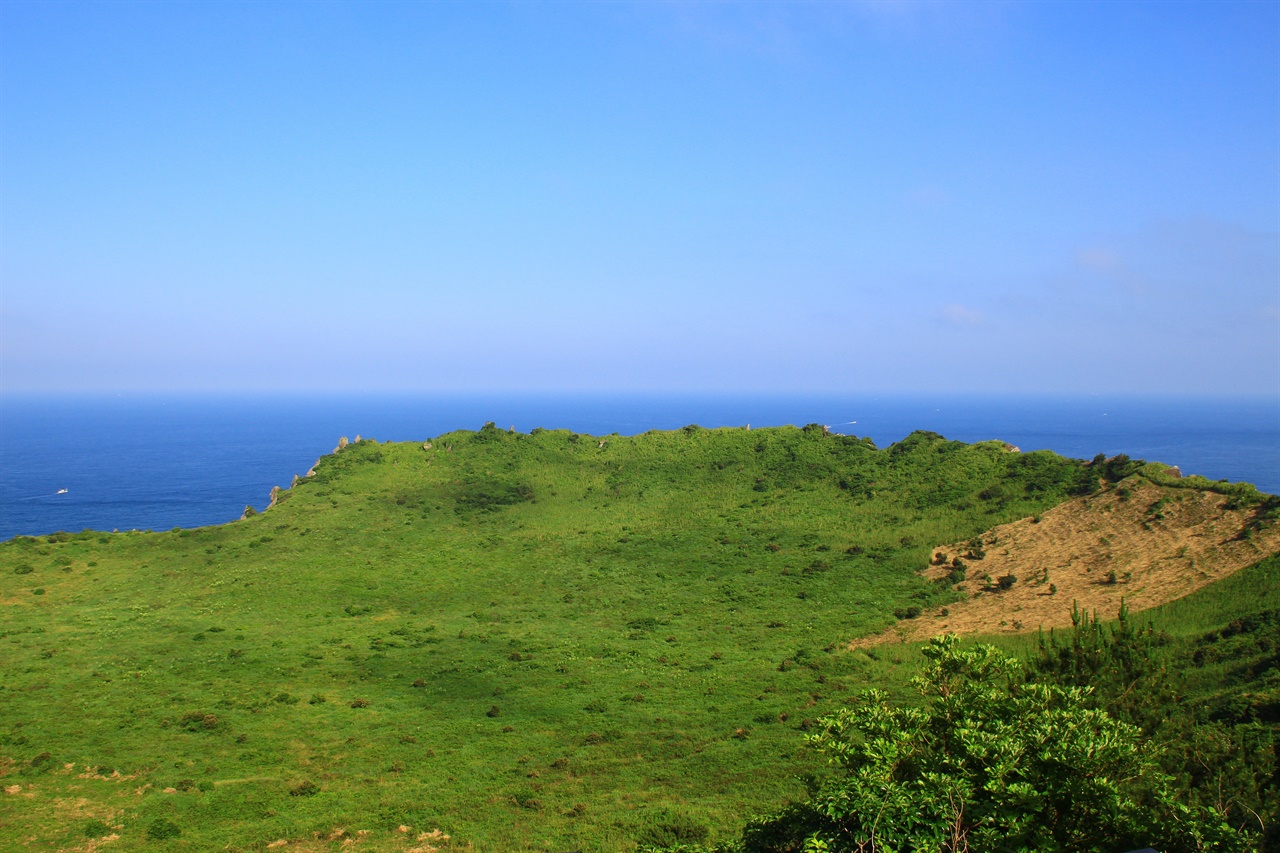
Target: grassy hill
521 642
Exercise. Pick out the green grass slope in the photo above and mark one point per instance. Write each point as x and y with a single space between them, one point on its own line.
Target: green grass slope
528 642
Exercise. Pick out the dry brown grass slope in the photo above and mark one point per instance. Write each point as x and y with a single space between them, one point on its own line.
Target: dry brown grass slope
1161 543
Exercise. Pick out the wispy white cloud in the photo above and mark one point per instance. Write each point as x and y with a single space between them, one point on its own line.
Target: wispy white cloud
1111 265
938 22
1187 262
1104 261
963 315
790 31
928 197
764 29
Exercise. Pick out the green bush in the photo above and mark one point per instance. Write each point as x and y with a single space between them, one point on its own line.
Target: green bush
163 829
199 721
305 788
669 829
988 763
41 763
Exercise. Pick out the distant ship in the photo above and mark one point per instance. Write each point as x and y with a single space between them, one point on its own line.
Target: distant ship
62 491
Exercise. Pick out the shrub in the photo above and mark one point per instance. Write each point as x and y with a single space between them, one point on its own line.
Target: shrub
669 829
162 829
23 569
494 711
96 829
988 763
359 703
305 788
41 763
1006 581
488 496
198 721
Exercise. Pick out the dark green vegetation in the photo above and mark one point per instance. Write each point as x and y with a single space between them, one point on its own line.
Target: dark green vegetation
1113 736
1201 678
546 641
989 762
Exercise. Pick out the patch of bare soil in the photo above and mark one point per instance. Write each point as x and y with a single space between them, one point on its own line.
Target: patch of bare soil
1146 543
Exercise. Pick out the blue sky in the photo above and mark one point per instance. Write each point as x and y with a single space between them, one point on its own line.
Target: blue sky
863 196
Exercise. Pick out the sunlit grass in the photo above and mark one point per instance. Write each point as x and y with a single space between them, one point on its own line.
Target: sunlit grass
524 641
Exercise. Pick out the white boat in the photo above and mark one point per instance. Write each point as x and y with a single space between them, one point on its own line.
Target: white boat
62 491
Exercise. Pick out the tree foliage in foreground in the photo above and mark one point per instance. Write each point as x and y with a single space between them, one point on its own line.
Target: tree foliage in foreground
1209 703
988 762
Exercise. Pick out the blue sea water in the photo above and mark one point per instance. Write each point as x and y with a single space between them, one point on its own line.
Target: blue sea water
157 462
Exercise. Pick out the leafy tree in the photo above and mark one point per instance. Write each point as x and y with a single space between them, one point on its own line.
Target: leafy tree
1216 740
1113 660
987 762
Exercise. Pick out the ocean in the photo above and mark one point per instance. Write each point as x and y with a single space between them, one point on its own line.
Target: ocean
158 462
